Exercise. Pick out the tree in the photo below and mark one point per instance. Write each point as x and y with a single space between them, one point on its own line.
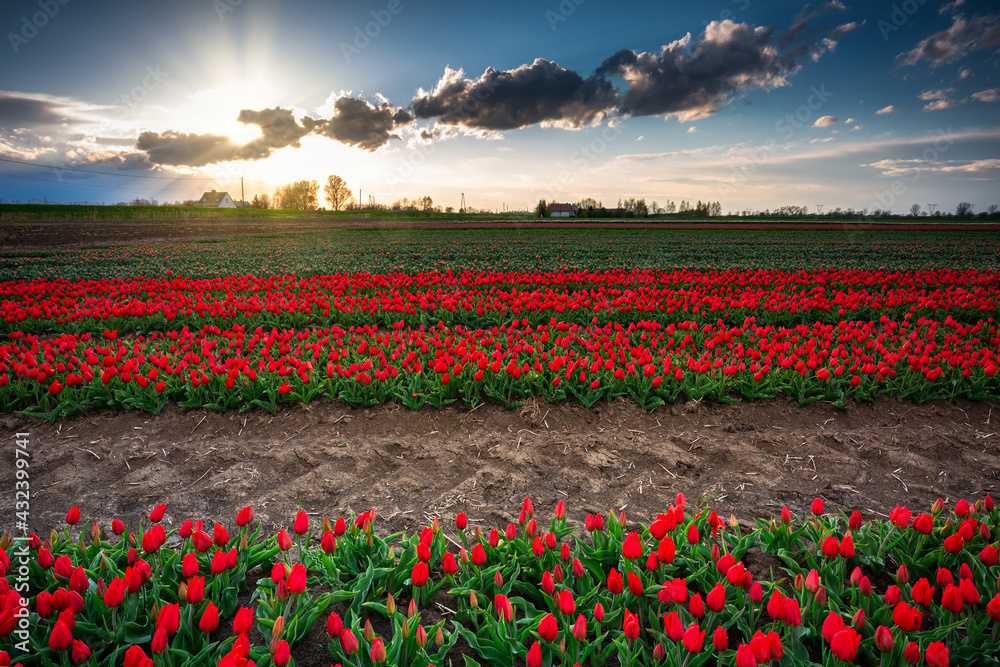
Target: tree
297 196
963 210
336 192
542 209
915 210
671 207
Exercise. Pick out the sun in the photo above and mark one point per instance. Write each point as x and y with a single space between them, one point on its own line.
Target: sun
215 110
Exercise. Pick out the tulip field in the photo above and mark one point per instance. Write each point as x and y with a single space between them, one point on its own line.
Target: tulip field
181 403
195 326
675 592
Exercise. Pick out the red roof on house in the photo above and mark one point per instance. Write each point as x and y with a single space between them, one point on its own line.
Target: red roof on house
561 208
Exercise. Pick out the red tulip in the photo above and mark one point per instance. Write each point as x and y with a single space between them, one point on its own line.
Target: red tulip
169 618
615 584
202 542
296 580
209 619
115 593
900 517
220 536
244 516
883 639
195 590
535 655
420 574
845 644
635 586
73 515
720 640
745 656
937 654
993 608
348 642
156 516
693 639
632 546
81 652
548 628
716 598
817 507
301 524
61 637
282 652
478 555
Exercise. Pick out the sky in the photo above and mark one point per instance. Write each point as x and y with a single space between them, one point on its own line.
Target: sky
754 104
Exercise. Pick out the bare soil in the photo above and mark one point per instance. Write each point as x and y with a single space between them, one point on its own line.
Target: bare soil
748 459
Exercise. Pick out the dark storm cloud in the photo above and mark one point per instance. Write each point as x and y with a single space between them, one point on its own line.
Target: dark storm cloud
542 92
278 130
192 150
277 126
694 78
956 41
357 122
20 111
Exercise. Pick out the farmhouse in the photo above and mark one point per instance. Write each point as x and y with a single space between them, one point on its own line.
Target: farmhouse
215 199
562 211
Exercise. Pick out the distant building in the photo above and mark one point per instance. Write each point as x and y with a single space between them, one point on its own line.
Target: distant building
215 199
563 211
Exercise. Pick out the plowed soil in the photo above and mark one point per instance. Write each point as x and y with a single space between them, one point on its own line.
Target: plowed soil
748 459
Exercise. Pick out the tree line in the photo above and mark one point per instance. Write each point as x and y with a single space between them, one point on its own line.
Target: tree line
588 207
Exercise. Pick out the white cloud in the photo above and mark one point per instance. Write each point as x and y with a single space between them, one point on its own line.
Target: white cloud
903 167
955 42
988 95
938 100
692 129
856 128
826 121
884 110
848 121
949 7
640 138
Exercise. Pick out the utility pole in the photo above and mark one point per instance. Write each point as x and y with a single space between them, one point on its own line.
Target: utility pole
930 209
819 209
243 197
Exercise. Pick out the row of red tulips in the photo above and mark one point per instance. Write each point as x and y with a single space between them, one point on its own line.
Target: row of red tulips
675 592
487 299
649 362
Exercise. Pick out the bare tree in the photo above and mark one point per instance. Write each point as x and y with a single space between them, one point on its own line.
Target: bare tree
915 211
963 210
336 192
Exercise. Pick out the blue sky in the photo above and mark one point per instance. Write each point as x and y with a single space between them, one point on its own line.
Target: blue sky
755 104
